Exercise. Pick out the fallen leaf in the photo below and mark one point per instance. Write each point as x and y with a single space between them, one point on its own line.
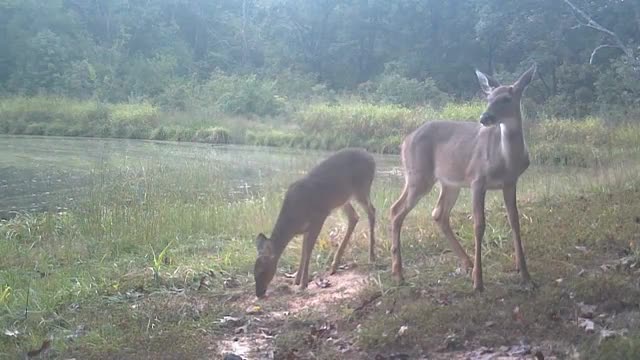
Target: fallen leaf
582 248
12 333
586 324
402 330
290 275
254 310
607 334
517 315
322 283
204 282
266 333
231 321
230 283
241 329
520 350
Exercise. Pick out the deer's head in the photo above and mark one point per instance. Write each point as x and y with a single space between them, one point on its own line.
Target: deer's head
503 100
265 266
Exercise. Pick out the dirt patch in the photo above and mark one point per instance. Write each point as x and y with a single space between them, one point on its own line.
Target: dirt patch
253 334
340 286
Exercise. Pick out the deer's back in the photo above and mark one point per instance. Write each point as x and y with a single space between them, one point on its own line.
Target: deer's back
334 180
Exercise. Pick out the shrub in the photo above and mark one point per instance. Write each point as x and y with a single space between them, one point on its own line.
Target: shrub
214 135
559 154
159 134
590 131
469 111
184 134
56 128
242 94
35 129
17 127
274 137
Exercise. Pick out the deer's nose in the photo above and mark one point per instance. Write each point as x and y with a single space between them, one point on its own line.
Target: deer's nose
487 119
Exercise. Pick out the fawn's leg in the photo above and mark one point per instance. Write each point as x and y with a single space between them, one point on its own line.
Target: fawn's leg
365 201
310 238
302 260
352 218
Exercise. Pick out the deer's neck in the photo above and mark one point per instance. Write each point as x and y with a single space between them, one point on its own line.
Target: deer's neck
512 143
281 235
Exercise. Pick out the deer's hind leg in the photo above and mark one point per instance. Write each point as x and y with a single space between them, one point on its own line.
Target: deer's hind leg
352 218
414 190
364 200
309 241
441 215
302 260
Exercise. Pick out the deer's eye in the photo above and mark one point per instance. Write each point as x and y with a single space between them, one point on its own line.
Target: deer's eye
505 100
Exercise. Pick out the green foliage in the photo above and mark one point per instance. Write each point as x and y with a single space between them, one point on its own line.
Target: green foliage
277 138
394 87
245 95
215 135
159 260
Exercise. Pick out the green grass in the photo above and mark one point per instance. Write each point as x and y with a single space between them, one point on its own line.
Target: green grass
119 272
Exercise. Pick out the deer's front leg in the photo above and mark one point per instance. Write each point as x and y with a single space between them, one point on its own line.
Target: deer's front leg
478 195
310 238
509 194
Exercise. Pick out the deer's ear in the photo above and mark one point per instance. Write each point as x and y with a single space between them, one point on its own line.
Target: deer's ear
264 245
525 79
487 83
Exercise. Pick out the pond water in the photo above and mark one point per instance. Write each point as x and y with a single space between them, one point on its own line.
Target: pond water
52 173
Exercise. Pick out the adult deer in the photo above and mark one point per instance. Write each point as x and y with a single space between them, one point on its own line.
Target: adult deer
490 155
332 183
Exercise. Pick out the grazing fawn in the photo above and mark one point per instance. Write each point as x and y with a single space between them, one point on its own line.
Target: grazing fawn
489 155
347 174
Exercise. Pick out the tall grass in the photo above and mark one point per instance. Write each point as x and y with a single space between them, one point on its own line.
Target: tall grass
67 117
326 126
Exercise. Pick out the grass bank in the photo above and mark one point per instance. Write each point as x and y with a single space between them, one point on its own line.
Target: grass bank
321 126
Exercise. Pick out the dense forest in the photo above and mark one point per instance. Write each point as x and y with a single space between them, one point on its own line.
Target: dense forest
176 52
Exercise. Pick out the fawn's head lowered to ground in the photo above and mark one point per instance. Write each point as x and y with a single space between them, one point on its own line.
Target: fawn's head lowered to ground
265 266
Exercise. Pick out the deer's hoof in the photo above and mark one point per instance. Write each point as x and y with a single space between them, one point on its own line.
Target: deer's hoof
398 278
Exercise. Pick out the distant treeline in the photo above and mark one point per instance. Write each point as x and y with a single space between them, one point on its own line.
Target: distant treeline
266 57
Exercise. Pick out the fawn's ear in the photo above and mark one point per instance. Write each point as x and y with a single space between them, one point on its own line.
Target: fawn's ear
264 245
487 83
525 79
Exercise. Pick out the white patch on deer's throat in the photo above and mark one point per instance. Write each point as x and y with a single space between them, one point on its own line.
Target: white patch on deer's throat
503 139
